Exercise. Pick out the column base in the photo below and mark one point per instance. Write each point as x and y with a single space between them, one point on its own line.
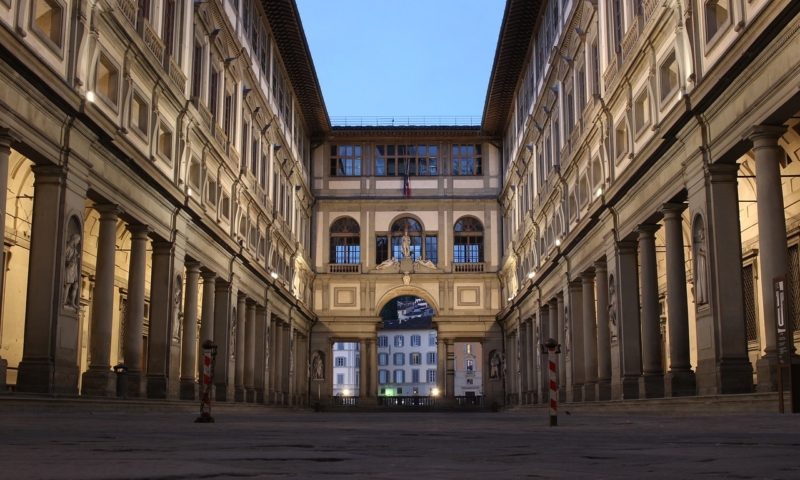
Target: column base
603 390
99 382
680 384
767 368
724 376
260 396
134 384
628 388
221 393
589 392
3 370
651 386
156 386
42 376
239 394
576 393
189 389
250 395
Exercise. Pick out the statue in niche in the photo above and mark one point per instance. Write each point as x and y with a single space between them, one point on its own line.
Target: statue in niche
405 245
317 366
177 314
72 272
495 364
700 265
612 309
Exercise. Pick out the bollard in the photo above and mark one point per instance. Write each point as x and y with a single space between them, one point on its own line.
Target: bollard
209 359
551 348
122 380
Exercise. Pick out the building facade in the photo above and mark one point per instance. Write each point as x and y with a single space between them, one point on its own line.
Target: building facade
172 177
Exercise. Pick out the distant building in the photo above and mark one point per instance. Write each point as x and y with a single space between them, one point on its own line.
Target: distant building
469 374
406 362
346 368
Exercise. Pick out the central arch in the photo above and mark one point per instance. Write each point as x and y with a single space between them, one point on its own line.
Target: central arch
406 290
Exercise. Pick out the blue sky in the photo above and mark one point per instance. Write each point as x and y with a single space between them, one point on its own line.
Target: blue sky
402 57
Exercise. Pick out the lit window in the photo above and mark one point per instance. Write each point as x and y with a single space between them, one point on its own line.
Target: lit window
165 142
716 17
140 114
107 80
48 20
641 111
668 76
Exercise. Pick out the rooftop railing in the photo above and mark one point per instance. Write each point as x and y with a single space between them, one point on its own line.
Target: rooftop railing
405 121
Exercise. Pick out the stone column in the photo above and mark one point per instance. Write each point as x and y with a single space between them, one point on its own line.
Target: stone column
206 313
603 339
223 376
522 341
574 341
161 288
238 352
99 379
261 348
773 252
280 361
680 379
5 152
653 371
189 338
290 363
534 393
723 365
250 353
372 367
441 365
363 382
562 360
589 336
272 358
450 391
132 345
630 344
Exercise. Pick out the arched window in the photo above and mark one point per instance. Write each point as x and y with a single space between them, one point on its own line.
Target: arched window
421 245
468 241
345 241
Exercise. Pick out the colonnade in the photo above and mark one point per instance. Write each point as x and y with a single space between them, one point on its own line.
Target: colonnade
608 315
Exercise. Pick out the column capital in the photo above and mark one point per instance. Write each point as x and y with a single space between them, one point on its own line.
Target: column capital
647 230
52 174
587 276
208 275
626 247
722 172
673 210
766 135
600 267
6 139
108 211
162 247
138 231
192 266
241 297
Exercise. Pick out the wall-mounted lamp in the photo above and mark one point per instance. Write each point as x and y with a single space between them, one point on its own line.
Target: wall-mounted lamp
558 242
274 275
598 192
90 96
531 274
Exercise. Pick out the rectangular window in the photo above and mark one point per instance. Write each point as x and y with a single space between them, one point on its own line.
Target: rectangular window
165 142
381 249
213 93
415 376
415 359
340 378
340 361
383 341
399 377
641 112
227 115
194 173
140 114
383 377
107 80
399 358
668 76
466 159
48 21
197 68
416 340
398 341
168 29
430 358
211 192
431 375
383 359
432 340
432 248
345 161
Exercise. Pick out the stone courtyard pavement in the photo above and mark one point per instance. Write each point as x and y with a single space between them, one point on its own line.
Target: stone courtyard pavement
77 440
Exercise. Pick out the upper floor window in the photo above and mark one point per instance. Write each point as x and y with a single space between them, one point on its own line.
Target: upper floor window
416 340
468 241
345 160
48 21
431 358
398 341
399 358
107 80
383 341
467 160
401 160
415 359
668 76
716 13
340 361
432 339
383 359
345 241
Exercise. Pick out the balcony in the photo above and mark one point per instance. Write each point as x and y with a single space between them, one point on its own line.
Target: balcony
468 267
610 74
630 38
176 74
649 8
128 9
152 42
344 268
